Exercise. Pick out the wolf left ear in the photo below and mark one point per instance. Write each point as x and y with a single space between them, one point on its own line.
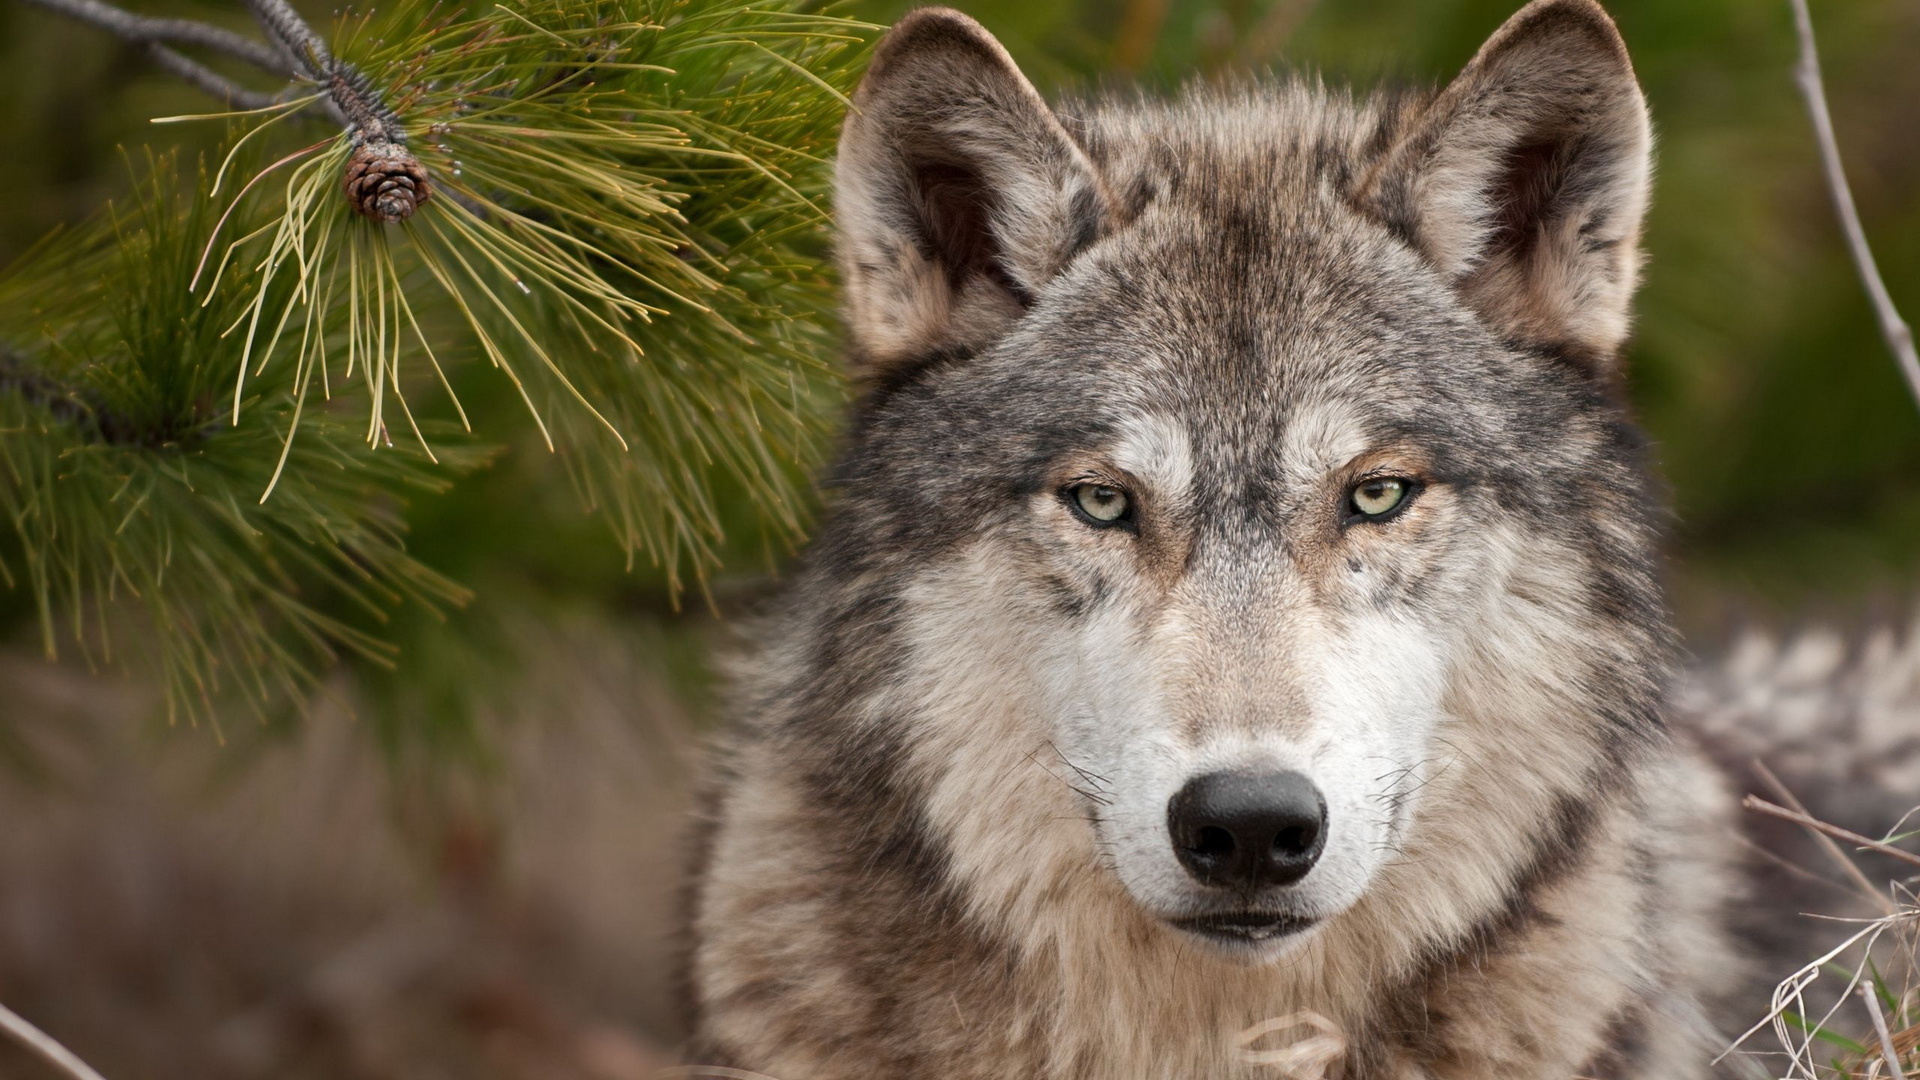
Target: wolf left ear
1526 180
958 193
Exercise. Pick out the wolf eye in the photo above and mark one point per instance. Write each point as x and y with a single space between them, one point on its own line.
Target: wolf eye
1100 505
1379 497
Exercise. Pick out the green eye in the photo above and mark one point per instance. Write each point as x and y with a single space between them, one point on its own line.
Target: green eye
1377 498
1100 504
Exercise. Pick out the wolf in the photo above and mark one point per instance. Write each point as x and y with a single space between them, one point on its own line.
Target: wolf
1239 601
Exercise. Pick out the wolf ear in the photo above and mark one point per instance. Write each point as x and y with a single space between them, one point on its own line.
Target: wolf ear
1526 180
958 193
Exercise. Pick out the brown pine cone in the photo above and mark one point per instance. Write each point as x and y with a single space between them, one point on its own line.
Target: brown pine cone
386 182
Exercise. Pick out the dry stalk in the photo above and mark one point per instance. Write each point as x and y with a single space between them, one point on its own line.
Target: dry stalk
1887 1051
1848 866
45 1047
1794 1025
1760 805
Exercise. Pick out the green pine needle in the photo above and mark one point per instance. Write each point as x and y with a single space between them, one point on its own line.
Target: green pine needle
625 224
127 491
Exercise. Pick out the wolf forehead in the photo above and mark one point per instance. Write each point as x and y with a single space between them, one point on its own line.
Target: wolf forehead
1240 304
1229 245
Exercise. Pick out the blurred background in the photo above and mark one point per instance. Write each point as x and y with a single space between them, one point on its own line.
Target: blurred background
468 867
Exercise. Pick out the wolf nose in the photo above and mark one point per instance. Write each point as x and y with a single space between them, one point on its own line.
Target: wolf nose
1248 829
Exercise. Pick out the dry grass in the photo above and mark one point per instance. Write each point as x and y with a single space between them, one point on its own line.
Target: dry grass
1853 1013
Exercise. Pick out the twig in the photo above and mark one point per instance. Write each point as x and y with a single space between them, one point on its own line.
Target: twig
293 37
1760 805
351 98
142 28
76 406
1807 73
44 1047
154 34
384 180
207 79
1846 864
1887 1051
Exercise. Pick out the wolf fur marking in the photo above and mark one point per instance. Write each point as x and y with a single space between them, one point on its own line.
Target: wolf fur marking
944 841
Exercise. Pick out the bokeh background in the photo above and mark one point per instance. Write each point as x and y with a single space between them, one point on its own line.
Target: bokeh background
468 868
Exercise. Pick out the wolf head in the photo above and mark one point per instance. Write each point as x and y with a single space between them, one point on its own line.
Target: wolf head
1239 517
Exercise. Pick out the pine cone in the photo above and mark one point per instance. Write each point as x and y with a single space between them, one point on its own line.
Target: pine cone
386 182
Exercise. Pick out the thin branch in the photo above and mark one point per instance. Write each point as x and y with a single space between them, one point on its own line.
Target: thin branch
37 389
1807 73
291 34
75 406
44 1047
207 79
1760 805
154 34
142 29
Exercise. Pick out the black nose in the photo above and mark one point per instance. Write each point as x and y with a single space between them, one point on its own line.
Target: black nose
1248 829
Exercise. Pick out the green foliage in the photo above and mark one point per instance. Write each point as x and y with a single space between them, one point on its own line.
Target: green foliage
626 227
123 483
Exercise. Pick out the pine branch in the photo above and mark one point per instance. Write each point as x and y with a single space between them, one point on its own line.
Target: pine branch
293 37
624 223
41 390
73 404
1892 327
294 51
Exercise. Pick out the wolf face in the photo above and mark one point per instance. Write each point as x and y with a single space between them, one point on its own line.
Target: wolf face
1240 433
1238 553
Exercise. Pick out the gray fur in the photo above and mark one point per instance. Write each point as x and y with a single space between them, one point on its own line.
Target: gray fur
937 843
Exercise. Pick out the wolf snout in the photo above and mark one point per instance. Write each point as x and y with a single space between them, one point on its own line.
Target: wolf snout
1248 829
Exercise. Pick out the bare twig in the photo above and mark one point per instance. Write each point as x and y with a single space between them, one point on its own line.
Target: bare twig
1807 73
207 79
1760 805
154 34
44 1047
293 37
142 28
384 180
1892 1056
1847 865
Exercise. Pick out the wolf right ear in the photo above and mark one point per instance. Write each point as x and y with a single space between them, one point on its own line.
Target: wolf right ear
958 193
1526 180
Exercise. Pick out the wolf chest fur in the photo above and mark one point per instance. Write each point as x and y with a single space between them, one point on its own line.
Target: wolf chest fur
1238 599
